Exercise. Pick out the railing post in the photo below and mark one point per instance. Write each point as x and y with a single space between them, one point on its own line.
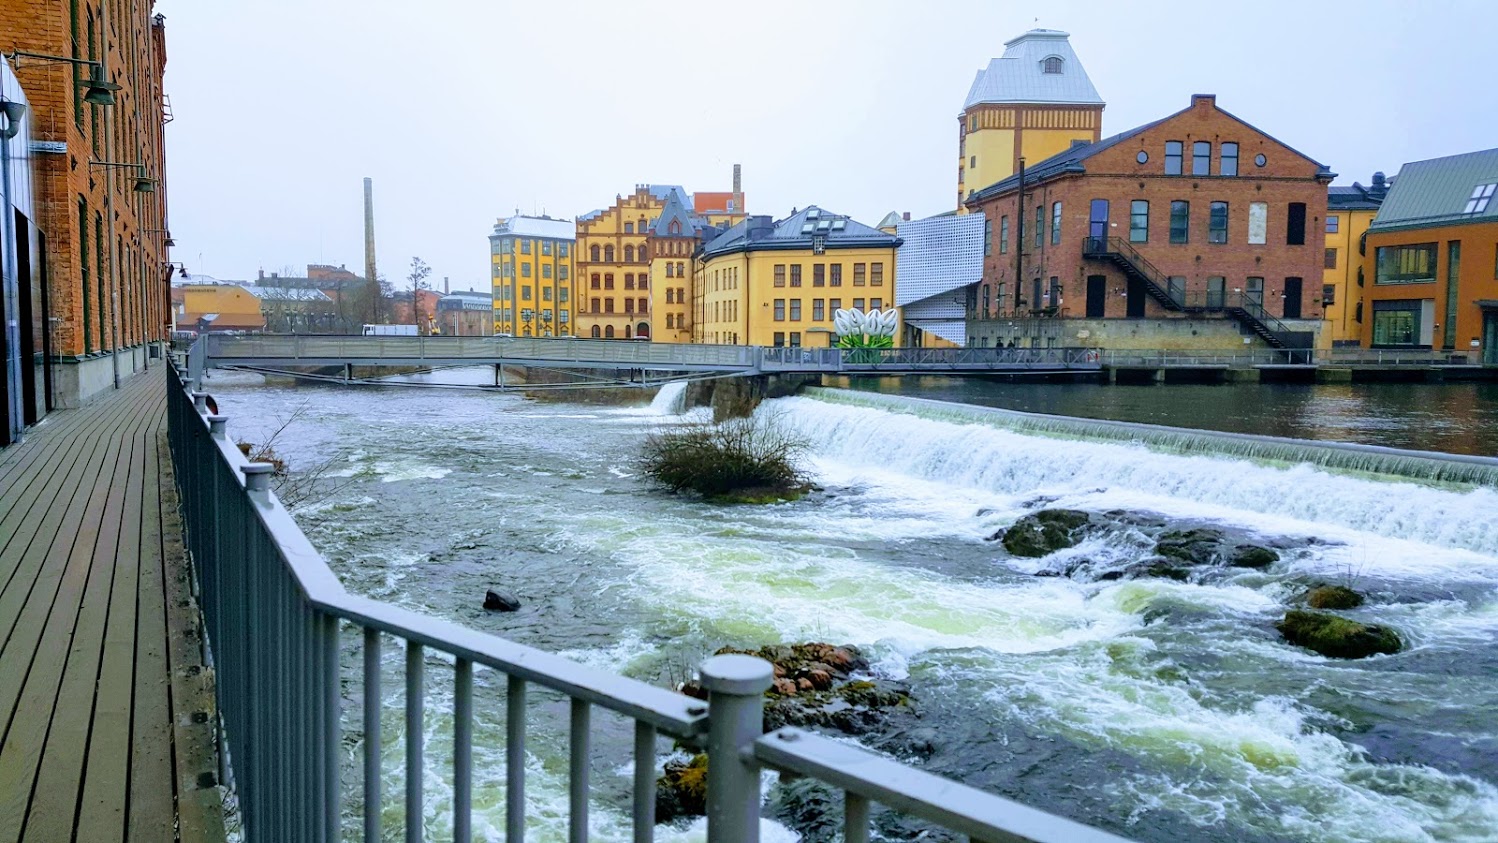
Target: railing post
736 685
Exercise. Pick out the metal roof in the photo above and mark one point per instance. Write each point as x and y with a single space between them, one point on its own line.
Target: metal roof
1439 191
523 226
1019 75
300 294
759 232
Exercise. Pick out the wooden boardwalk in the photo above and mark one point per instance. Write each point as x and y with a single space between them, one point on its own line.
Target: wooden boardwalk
104 703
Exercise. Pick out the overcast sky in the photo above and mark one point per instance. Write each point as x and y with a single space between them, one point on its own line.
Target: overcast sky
463 111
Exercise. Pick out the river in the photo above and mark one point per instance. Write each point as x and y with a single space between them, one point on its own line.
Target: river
1158 709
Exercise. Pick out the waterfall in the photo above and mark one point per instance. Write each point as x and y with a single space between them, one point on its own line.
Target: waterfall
1343 456
671 400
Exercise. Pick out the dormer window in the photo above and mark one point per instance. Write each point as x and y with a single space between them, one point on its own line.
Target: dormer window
1481 196
1052 64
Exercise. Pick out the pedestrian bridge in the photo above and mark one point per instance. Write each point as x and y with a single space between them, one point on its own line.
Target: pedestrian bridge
292 350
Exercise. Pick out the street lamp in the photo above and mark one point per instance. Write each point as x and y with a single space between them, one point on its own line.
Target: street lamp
98 89
143 182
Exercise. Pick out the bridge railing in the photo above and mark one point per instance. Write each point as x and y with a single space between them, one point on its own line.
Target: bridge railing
1249 357
622 353
968 359
801 358
277 622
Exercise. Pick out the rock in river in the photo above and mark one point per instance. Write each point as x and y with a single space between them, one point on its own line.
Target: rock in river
500 601
1337 637
1045 532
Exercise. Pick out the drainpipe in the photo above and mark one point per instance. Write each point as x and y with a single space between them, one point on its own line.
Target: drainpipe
114 258
1019 244
11 336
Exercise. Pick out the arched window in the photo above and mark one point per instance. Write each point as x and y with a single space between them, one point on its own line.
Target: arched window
626 332
676 226
1052 64
608 332
642 225
595 253
629 254
596 332
608 254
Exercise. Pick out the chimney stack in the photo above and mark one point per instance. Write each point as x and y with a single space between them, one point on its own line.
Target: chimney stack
369 246
444 285
738 190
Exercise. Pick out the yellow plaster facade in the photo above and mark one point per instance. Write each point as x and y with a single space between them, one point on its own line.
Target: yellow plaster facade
613 285
1344 264
993 138
783 297
531 261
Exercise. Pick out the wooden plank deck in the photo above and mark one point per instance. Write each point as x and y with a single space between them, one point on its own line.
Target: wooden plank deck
105 705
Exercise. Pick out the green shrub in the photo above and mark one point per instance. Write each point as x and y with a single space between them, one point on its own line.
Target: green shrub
751 458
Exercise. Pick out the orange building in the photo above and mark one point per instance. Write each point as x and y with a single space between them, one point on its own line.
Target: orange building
1432 256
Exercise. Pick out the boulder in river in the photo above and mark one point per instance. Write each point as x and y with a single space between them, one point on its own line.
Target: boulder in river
682 790
1333 597
1045 532
500 601
1253 556
1336 636
1201 546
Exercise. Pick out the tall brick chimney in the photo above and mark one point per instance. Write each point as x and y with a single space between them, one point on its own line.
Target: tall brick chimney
738 189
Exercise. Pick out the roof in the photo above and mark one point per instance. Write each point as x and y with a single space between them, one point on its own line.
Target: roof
1439 192
287 294
1073 160
665 191
890 220
676 211
939 256
524 226
760 233
1019 75
1355 198
466 300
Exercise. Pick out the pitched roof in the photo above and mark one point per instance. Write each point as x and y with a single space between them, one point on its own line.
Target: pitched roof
1074 160
1441 191
675 211
665 191
797 232
1019 75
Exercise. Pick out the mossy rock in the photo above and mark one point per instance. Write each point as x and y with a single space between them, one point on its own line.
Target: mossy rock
1195 547
1045 532
1253 556
1333 597
682 791
1337 637
761 495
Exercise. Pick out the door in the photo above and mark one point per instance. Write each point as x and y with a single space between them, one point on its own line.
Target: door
1136 294
1253 291
1097 221
1292 298
1097 296
1490 337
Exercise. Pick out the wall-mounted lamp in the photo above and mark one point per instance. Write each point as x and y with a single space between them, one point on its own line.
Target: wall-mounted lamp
143 182
14 113
98 89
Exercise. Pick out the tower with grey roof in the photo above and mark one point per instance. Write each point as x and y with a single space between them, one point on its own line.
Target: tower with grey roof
1032 102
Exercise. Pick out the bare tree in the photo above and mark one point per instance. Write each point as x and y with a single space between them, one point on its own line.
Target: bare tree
419 272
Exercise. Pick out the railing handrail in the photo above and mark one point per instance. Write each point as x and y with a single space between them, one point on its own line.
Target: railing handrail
272 606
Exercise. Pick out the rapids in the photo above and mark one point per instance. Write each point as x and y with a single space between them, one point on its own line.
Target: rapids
1161 710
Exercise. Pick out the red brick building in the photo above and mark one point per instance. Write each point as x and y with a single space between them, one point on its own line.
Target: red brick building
97 112
1198 216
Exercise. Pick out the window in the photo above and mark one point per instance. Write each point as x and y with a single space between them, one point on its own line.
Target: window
795 339
780 310
562 296
1333 222
1357 313
819 275
795 310
629 305
1173 153
876 274
818 310
1139 221
836 271
1180 218
629 280
1216 292
1453 297
597 332
779 339
670 270
1295 224
1201 158
643 305
608 305
670 296
1227 162
546 247
858 304
594 305
795 275
1396 323
1330 261
834 305
987 236
608 332
1260 160
562 273
608 280
858 275
595 283
564 250
1004 234
629 228
1055 223
594 251
1217 222
972 161
1052 64
525 270
972 123
525 247
1258 223
608 254
1039 225
1415 264
545 294
876 304
1481 196
643 280
1328 294
629 253
680 270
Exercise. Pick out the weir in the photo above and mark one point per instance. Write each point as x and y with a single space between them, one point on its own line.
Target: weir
1431 466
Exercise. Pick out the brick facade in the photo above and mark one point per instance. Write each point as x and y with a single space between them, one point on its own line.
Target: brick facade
105 251
1112 171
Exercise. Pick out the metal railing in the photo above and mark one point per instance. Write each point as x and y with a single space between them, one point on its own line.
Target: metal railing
801 358
1159 282
1249 357
276 618
969 359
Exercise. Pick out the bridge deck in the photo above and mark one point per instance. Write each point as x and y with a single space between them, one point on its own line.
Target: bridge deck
99 668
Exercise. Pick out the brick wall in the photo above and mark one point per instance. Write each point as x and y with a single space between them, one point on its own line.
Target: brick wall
130 41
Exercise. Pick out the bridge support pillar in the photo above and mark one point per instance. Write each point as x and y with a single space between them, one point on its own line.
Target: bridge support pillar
1157 376
1328 374
1240 376
348 372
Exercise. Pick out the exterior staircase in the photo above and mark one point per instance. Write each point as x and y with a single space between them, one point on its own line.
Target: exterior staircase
1244 308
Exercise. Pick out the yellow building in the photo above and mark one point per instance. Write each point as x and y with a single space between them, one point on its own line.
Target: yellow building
216 307
763 282
1349 212
674 238
531 261
1031 103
